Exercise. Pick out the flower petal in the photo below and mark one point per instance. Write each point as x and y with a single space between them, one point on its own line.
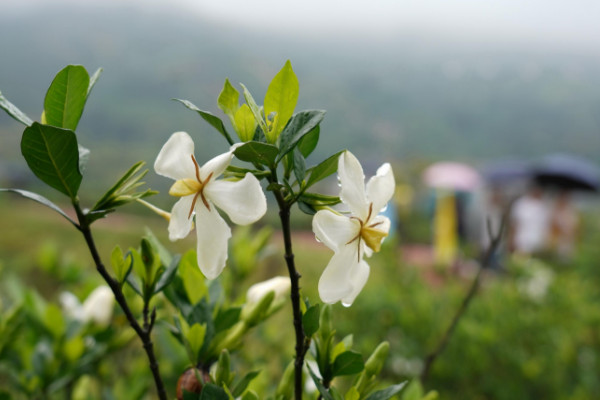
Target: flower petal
175 158
334 230
213 234
336 283
358 278
215 166
180 223
352 180
380 187
243 201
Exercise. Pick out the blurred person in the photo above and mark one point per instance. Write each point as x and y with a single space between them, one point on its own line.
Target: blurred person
529 223
445 228
564 226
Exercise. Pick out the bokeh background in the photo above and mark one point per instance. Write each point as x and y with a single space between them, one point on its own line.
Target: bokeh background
411 83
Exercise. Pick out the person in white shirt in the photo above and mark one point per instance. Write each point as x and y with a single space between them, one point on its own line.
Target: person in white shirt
530 223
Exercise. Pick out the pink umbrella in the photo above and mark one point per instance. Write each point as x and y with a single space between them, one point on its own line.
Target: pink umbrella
452 176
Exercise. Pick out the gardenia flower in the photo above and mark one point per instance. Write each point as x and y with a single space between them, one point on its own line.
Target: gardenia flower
98 307
354 236
201 193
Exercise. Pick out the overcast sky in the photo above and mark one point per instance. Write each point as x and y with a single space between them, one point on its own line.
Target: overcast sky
555 22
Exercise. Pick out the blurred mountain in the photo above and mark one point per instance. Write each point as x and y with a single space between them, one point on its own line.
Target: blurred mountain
409 98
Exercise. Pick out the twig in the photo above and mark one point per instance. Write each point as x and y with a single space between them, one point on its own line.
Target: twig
485 262
144 333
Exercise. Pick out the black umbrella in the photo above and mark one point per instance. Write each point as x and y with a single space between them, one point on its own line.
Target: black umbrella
567 172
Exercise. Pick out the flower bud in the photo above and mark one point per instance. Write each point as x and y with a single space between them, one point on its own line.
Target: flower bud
375 362
280 285
189 382
325 321
223 367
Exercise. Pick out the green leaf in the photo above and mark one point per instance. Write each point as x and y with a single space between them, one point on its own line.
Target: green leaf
257 152
386 393
322 389
121 265
213 120
324 169
42 200
239 172
66 97
310 320
348 363
226 318
213 392
93 81
14 112
241 386
53 156
228 100
308 143
280 100
193 280
300 125
195 337
54 321
255 110
299 166
168 275
306 208
244 122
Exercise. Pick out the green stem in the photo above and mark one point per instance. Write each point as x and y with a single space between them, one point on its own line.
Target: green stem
143 333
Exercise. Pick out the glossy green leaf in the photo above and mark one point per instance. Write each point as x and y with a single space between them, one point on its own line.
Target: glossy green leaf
167 276
14 112
42 200
53 156
256 111
213 392
228 100
347 363
299 166
121 264
245 124
257 152
193 280
324 169
195 337
310 320
213 120
66 97
308 143
306 208
226 318
300 125
386 393
280 100
241 386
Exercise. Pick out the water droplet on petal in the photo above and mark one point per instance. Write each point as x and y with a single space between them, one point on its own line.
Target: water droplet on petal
346 304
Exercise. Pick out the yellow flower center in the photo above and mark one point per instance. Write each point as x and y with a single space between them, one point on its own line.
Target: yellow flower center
369 233
191 186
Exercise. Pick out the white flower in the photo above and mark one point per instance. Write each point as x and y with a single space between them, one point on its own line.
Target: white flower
98 307
280 285
200 191
352 237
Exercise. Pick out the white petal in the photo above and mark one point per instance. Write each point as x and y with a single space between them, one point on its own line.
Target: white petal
384 226
380 188
358 279
216 166
352 180
335 283
280 285
180 223
71 305
98 307
175 158
213 234
334 230
243 201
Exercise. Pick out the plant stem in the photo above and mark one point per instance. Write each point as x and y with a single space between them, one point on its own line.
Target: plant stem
284 216
143 333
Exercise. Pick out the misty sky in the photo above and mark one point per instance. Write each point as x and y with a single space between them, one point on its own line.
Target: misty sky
554 23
